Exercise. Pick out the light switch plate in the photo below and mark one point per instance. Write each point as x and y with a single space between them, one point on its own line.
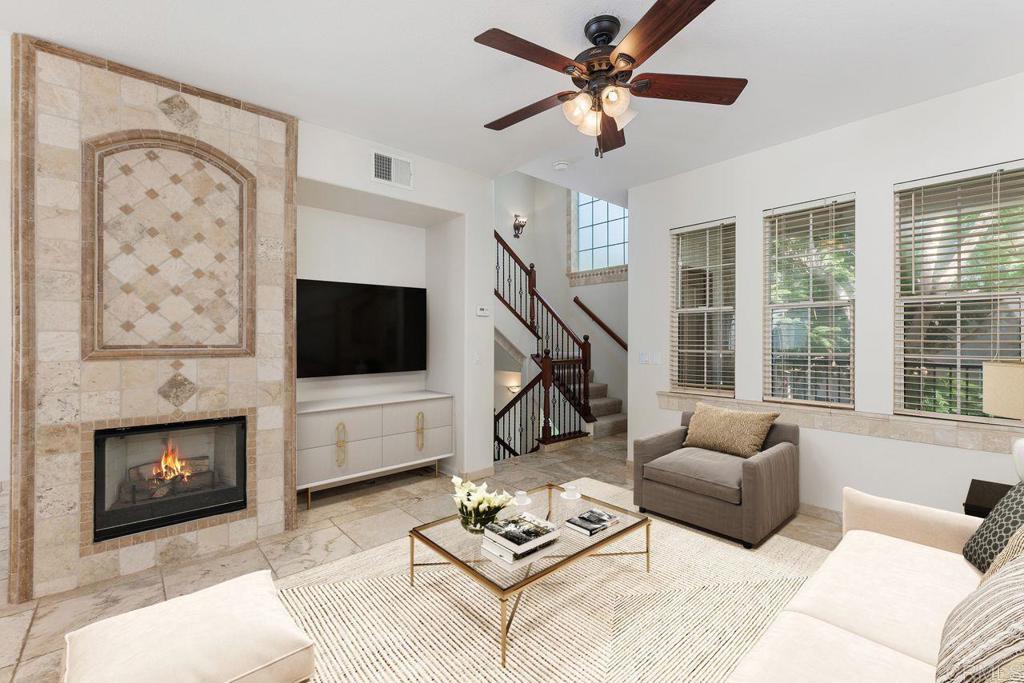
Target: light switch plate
483 311
645 358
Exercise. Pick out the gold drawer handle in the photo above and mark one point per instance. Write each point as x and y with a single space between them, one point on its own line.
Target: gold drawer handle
341 449
420 422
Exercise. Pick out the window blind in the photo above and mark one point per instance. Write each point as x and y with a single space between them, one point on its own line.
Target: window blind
959 288
703 326
809 299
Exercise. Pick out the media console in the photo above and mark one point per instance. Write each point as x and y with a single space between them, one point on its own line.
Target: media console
340 441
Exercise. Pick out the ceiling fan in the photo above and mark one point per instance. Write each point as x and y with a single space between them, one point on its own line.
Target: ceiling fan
600 105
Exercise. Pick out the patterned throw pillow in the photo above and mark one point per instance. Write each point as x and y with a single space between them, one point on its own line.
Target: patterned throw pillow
983 639
738 432
994 533
1014 549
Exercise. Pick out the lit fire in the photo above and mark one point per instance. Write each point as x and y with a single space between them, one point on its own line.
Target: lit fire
171 465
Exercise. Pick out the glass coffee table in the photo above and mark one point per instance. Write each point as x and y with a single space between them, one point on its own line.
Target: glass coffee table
459 548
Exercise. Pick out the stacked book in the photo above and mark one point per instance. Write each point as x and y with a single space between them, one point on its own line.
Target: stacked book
518 540
591 522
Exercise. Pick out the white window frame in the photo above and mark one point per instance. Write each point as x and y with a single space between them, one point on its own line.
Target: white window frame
770 222
961 301
676 297
595 275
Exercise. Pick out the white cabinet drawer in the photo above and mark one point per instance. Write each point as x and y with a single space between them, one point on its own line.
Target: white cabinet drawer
399 418
320 429
401 448
321 464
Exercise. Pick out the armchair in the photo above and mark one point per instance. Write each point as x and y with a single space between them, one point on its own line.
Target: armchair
742 498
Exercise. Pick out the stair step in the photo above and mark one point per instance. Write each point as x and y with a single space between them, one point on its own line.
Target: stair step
598 390
605 406
607 425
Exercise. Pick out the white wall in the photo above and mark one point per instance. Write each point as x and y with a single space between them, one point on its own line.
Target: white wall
447 330
610 301
343 248
340 247
967 129
467 247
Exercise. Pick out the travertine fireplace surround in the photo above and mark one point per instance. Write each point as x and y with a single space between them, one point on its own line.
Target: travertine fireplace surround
154 261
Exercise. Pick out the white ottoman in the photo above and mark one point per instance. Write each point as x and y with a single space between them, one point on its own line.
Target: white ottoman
235 631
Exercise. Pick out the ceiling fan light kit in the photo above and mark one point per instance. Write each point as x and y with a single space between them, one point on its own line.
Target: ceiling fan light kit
576 108
599 107
614 100
591 124
623 119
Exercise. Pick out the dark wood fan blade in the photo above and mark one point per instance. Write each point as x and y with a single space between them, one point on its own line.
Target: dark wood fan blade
707 89
665 19
611 137
524 49
529 110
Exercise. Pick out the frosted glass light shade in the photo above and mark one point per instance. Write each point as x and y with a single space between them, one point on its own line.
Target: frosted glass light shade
577 108
591 124
614 100
623 119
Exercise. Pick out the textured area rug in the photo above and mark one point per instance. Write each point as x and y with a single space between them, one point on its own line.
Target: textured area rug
704 604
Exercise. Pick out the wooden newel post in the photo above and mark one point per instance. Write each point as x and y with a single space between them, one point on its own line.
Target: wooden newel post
532 285
547 378
586 373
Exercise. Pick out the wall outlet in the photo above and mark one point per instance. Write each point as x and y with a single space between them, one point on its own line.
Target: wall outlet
483 311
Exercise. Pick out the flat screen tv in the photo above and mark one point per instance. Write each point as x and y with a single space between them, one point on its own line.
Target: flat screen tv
344 328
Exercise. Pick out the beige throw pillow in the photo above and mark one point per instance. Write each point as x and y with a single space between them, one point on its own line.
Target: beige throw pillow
737 432
1014 549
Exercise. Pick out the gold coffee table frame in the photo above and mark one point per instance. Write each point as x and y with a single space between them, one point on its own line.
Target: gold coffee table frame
625 527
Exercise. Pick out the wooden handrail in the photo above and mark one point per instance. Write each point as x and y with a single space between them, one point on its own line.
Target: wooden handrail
552 333
515 399
568 330
511 252
600 323
532 328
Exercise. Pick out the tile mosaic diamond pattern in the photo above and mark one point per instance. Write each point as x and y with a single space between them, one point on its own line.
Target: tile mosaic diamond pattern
178 389
171 257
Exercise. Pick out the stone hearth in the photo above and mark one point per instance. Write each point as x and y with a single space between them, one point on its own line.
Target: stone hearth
154 263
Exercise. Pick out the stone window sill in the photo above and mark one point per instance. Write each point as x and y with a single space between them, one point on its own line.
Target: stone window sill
970 435
598 276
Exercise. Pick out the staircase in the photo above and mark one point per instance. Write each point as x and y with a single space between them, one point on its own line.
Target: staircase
562 402
608 411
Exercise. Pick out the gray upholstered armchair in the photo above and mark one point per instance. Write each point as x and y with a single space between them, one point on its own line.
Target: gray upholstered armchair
743 498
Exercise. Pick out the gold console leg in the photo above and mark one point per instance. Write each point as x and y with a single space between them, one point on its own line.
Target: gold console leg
412 560
504 630
309 499
647 551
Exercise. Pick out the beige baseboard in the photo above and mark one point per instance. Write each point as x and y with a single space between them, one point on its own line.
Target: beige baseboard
559 445
826 514
478 474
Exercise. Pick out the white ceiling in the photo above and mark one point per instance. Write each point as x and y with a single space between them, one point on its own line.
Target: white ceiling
407 73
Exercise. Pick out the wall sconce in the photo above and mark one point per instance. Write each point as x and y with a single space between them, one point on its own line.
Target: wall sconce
518 223
513 388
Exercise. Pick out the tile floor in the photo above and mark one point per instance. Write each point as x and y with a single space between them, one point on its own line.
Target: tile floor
341 522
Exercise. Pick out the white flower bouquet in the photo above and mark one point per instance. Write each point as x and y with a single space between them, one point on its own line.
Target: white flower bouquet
477 506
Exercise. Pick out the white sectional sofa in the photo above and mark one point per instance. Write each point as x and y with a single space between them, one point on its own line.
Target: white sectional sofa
875 609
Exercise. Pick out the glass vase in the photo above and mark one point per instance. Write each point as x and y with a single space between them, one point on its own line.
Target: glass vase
474 522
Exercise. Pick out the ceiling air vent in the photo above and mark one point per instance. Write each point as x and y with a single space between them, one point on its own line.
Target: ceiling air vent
392 170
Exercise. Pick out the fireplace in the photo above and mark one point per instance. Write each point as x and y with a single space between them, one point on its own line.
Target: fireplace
157 475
